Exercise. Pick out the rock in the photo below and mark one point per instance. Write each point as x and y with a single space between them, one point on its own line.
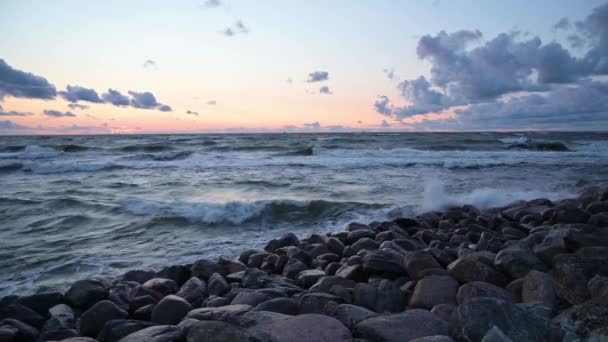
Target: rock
251 277
289 239
515 288
221 313
477 289
435 338
444 311
417 262
293 267
353 272
250 298
170 310
600 220
141 301
335 245
350 315
122 294
517 261
84 293
161 285
404 326
551 245
205 268
308 278
285 306
326 283
571 273
433 290
315 302
14 330
538 287
214 302
384 260
116 329
92 320
244 256
138 276
365 244
582 320
597 207
23 314
194 291
466 269
213 331
229 266
389 298
217 285
365 295
157 333
42 301
304 328
60 335
144 313
318 250
84 339
256 260
62 317
178 273
570 214
598 287
496 335
478 315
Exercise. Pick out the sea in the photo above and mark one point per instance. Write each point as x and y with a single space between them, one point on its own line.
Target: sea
72 207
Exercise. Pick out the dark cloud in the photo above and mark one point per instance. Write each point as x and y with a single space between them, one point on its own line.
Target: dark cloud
325 90
211 103
562 24
382 106
22 84
13 113
7 124
146 100
191 112
385 124
77 93
77 106
150 64
595 29
313 125
318 76
58 114
116 98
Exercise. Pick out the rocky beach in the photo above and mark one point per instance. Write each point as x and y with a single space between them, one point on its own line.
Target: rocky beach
530 271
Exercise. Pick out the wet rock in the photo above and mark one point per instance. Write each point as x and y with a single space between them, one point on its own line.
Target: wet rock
161 285
157 333
42 301
170 310
365 295
571 273
116 329
418 262
357 235
315 302
23 314
9 333
326 283
92 320
551 245
496 335
353 272
58 335
217 285
335 245
404 326
600 220
598 288
244 256
293 267
84 293
466 269
285 306
251 298
365 244
138 276
214 302
583 320
350 315
539 287
289 239
477 289
435 338
229 266
444 311
307 278
384 260
318 250
222 313
194 291
517 261
144 313
570 214
478 315
62 317
252 277
433 290
211 331
178 273
122 293
205 268
15 330
390 298
256 260
304 328
141 301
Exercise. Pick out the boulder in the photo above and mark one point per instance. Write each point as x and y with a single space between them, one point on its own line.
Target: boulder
84 293
598 288
315 302
417 262
205 268
433 290
116 329
571 273
170 310
162 286
194 291
389 297
467 269
307 278
335 245
62 317
404 326
157 333
252 277
213 331
539 287
517 261
14 330
584 320
434 338
326 283
350 315
178 273
138 276
59 335
251 298
496 335
92 320
289 239
304 328
285 306
365 295
217 285
42 300
221 313
384 260
293 267
477 289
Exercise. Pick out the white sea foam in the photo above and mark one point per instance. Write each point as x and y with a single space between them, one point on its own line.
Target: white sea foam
514 140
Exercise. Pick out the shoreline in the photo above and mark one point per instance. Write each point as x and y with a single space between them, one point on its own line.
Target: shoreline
533 270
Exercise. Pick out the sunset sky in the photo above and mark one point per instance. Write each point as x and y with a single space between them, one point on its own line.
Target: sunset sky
256 66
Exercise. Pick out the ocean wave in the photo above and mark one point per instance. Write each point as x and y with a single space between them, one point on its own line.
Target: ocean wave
265 212
32 152
163 156
146 148
70 148
10 167
304 152
64 167
515 140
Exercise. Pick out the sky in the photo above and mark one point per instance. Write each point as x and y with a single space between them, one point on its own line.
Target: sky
98 67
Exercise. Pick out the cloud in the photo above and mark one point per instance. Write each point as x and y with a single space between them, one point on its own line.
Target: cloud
239 27
22 84
313 125
325 90
77 93
390 73
191 112
150 64
9 125
77 106
57 113
211 103
146 100
212 3
228 32
317 76
562 24
513 76
289 80
385 124
13 113
116 98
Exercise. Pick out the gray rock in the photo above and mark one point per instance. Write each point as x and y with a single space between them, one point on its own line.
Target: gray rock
390 298
157 333
244 256
517 261
496 335
552 244
582 320
433 290
161 285
326 283
293 267
221 313
289 239
213 331
116 329
42 300
539 287
22 313
214 302
138 276
417 262
84 293
315 302
572 272
178 273
217 285
58 335
435 338
477 289
14 330
335 245
444 311
170 310
353 272
92 320
307 278
285 306
122 293
466 269
477 316
598 287
384 260
304 328
194 291
365 244
62 317
251 298
350 315
204 268
365 295
404 326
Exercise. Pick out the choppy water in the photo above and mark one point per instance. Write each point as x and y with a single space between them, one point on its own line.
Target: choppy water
75 206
